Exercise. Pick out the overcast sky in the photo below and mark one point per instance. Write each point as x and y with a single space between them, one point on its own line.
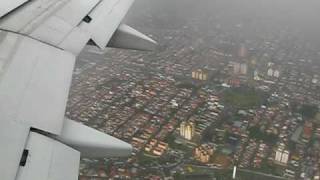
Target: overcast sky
302 16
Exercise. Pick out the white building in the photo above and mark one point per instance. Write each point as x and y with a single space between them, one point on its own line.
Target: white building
276 73
270 72
278 156
187 130
282 156
243 69
285 157
236 68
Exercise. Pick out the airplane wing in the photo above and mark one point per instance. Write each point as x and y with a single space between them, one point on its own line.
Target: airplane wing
39 43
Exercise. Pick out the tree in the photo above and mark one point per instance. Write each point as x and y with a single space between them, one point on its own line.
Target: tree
178 176
256 133
309 111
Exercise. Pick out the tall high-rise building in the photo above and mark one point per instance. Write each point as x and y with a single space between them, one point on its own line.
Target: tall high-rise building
243 68
270 72
282 155
285 157
278 155
187 130
240 68
307 130
236 68
243 52
200 75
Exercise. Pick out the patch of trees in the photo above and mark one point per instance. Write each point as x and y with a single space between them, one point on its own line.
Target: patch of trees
306 110
256 133
309 111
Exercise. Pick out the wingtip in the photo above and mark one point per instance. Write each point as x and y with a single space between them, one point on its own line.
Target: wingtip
126 37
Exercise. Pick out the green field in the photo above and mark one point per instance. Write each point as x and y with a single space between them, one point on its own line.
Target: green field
243 97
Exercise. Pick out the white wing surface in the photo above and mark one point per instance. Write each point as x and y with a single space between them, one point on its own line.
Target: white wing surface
39 43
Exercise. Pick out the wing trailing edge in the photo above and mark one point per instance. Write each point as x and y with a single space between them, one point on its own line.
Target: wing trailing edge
92 143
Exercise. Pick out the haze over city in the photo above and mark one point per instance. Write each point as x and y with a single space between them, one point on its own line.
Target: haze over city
232 83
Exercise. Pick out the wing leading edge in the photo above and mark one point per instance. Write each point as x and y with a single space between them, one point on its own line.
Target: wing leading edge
39 43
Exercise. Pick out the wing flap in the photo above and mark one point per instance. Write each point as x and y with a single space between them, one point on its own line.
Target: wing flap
52 31
50 21
34 82
75 41
49 159
105 20
31 15
74 11
59 26
60 23
8 6
13 137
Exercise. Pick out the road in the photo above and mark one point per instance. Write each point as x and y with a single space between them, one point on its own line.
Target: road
246 173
